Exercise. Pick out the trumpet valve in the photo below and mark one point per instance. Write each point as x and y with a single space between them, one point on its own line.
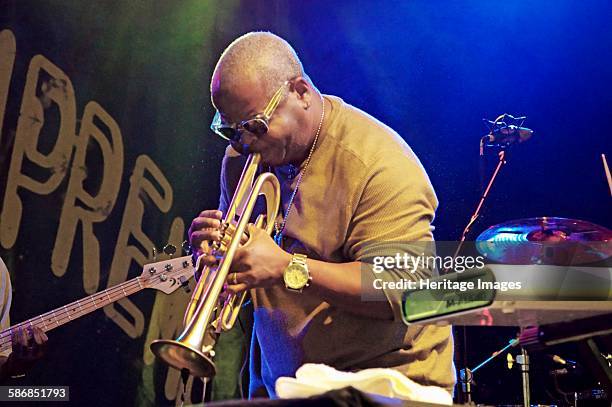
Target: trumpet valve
227 233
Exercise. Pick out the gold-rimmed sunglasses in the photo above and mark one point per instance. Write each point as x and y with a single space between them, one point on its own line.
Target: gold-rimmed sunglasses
257 125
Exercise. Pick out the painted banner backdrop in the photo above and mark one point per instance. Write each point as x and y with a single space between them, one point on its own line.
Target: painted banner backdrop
104 109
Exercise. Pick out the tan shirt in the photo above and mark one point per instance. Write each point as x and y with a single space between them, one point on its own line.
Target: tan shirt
5 301
364 186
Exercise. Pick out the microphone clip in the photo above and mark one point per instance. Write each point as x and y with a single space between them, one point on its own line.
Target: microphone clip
505 131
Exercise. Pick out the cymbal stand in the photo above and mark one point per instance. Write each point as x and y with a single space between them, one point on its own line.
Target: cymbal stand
523 360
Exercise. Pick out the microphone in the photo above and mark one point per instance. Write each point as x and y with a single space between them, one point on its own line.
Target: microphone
505 131
507 135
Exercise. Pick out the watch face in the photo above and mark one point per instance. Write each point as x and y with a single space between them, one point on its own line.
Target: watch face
296 276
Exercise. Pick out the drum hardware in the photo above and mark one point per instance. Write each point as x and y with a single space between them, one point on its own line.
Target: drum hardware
523 361
569 385
559 241
588 241
546 240
466 375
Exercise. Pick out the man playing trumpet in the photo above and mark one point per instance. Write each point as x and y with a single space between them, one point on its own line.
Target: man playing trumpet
348 183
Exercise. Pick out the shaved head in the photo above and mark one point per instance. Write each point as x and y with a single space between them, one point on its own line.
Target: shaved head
257 57
249 72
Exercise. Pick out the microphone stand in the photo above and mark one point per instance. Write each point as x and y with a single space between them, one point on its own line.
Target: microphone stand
500 163
466 374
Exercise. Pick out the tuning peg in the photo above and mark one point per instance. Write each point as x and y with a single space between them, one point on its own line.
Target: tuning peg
154 252
186 247
184 284
169 249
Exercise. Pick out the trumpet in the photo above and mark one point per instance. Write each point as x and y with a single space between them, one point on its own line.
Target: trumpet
205 312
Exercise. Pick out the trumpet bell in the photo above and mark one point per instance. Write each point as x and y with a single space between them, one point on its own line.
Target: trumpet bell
181 356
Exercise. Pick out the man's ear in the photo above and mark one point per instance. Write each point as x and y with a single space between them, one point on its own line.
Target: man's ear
304 91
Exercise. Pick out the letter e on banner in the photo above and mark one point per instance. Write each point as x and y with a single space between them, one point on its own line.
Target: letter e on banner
131 228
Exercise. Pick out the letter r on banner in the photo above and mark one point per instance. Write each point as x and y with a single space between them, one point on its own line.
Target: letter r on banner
80 205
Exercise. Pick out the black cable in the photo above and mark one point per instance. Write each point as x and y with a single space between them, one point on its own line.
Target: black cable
245 357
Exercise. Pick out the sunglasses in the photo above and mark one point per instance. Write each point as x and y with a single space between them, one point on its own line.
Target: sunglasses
257 125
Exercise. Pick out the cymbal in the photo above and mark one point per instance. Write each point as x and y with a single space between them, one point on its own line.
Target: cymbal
546 240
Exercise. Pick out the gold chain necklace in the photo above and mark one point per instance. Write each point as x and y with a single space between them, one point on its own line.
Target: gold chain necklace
278 235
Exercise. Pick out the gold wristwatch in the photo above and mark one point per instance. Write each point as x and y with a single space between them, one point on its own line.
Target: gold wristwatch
296 275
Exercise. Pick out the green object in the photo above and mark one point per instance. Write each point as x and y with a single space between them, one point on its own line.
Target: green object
448 294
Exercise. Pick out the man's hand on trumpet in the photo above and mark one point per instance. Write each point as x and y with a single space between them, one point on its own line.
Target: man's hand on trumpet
259 262
205 228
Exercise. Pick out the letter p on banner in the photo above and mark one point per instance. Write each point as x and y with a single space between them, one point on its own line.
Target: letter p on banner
46 85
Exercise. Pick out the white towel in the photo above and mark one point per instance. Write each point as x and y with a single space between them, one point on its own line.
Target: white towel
312 379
